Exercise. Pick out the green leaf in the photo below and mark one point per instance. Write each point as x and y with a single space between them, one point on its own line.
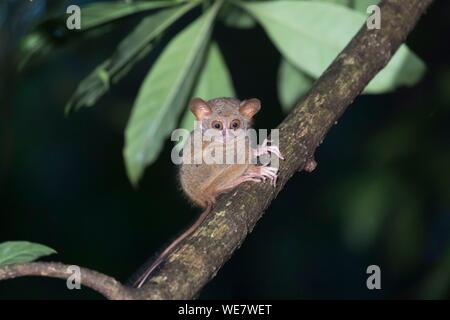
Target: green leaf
347 3
52 33
311 34
132 49
34 46
163 94
22 251
362 5
49 37
358 5
235 17
98 13
292 85
214 81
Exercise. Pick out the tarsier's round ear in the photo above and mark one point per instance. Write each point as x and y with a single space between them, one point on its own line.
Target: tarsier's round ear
200 108
250 107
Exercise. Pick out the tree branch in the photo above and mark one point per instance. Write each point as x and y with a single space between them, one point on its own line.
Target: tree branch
200 257
107 286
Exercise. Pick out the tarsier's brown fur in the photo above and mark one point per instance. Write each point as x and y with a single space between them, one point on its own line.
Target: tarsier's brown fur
203 182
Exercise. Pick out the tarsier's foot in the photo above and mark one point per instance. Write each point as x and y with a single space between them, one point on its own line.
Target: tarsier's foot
265 149
261 173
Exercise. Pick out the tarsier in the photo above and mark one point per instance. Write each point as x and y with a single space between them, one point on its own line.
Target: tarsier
203 182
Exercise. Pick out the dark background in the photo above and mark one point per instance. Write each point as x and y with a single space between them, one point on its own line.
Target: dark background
380 194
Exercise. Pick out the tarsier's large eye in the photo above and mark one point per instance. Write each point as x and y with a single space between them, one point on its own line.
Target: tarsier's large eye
217 125
235 124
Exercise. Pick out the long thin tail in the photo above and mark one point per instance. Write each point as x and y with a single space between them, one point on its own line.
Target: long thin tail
148 272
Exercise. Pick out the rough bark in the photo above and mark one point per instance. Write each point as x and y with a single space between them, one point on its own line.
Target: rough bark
199 258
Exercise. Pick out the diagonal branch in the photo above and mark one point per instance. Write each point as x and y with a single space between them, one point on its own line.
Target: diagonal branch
200 257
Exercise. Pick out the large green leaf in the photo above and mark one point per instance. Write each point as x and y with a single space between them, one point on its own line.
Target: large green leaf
99 13
52 32
292 84
22 251
310 35
163 94
214 81
133 48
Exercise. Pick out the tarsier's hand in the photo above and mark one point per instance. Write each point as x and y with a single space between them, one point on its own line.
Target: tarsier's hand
261 173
